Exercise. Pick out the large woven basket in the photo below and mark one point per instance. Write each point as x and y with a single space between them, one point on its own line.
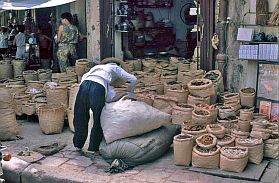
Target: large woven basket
51 118
44 74
18 66
6 70
57 96
28 107
30 75
82 66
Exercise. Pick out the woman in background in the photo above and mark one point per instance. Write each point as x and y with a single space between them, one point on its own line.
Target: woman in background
67 38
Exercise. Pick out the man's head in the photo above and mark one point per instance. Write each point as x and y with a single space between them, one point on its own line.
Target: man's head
21 28
66 17
114 63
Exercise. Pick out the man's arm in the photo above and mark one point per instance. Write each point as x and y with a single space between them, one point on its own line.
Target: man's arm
129 78
128 95
59 33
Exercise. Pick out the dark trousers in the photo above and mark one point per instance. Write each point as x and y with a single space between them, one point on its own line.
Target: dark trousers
91 95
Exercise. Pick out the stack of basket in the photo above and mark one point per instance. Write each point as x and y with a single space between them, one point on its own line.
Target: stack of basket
206 154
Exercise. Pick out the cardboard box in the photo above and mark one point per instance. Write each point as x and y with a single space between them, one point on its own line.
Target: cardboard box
265 108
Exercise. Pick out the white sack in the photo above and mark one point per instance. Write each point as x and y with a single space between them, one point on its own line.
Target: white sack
126 118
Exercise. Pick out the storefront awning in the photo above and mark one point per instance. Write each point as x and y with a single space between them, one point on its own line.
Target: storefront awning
30 4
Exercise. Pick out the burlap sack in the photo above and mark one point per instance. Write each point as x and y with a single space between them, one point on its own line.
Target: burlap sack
201 116
181 113
148 65
5 98
239 134
271 147
244 125
224 112
192 100
246 114
164 103
193 130
201 87
72 95
151 78
216 77
160 88
231 97
229 161
260 133
226 141
213 111
206 141
206 159
217 130
168 78
18 99
137 65
247 96
229 126
184 67
8 125
180 95
182 149
57 96
172 85
255 148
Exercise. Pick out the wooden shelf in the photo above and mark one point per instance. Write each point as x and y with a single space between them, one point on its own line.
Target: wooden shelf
256 42
254 25
262 61
122 31
121 15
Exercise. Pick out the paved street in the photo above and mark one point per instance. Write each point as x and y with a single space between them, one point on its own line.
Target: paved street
70 166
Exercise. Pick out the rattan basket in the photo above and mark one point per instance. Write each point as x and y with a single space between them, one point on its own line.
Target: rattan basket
51 118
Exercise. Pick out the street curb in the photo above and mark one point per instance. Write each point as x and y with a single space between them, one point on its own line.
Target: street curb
19 171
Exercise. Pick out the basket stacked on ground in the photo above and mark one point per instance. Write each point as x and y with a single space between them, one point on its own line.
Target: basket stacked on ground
18 67
30 75
232 100
234 159
51 118
247 96
6 69
182 147
206 154
255 148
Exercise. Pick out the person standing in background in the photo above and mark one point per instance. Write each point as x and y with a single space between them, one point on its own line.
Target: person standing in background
45 45
4 36
67 39
20 42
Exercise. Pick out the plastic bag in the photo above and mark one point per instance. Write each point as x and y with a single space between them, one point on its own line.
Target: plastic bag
259 37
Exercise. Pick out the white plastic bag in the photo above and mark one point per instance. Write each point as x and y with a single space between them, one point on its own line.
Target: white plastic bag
126 118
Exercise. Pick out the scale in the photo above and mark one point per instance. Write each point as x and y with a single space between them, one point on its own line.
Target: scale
33 54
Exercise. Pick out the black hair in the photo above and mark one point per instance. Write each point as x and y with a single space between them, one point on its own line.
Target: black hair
21 28
112 62
68 16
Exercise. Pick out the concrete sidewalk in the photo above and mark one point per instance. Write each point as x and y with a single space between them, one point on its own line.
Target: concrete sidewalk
70 167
